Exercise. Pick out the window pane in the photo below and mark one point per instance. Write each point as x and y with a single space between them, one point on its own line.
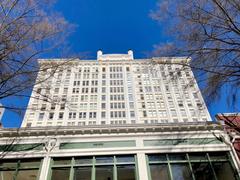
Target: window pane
30 163
181 172
82 173
177 156
6 175
218 155
157 157
9 164
197 156
84 160
126 172
60 173
27 174
223 171
62 161
104 159
158 171
202 171
125 159
104 173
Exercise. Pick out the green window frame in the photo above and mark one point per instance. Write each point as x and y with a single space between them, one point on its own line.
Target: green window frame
173 162
94 163
13 168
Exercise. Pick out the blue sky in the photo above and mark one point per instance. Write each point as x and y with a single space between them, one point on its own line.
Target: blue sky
114 26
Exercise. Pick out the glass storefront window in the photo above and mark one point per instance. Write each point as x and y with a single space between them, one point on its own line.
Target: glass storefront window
125 159
177 156
218 155
202 171
60 173
157 157
197 156
160 170
83 160
104 173
62 161
122 167
27 174
82 173
188 166
104 159
126 172
20 169
223 171
181 172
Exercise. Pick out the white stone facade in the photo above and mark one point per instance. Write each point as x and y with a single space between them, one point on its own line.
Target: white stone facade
117 89
143 142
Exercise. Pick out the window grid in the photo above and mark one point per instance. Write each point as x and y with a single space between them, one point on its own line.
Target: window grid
206 158
92 162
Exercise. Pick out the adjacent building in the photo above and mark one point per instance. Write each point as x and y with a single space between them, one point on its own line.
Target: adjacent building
231 123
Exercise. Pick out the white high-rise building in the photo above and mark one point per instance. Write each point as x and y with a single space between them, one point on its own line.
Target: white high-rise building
117 119
116 89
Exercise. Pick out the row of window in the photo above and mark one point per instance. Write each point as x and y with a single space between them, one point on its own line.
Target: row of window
182 166
91 115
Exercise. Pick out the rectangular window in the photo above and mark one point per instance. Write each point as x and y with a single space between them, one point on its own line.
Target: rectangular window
60 115
51 115
190 166
41 115
103 105
103 114
62 106
19 169
132 114
101 167
92 115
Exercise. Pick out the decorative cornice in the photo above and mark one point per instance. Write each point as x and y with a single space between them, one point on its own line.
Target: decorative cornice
109 129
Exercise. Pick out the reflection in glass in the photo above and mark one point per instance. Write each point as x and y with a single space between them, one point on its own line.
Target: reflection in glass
177 156
181 172
158 171
157 157
62 161
19 175
7 175
82 173
84 160
202 171
218 155
125 159
223 171
30 163
126 172
104 173
27 174
60 173
104 159
197 156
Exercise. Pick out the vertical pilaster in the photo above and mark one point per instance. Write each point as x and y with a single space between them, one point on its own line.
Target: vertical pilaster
45 168
142 166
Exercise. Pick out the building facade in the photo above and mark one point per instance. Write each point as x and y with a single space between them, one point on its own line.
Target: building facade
116 89
116 118
129 152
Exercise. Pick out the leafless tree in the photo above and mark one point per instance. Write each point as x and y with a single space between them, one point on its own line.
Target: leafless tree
208 31
28 29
